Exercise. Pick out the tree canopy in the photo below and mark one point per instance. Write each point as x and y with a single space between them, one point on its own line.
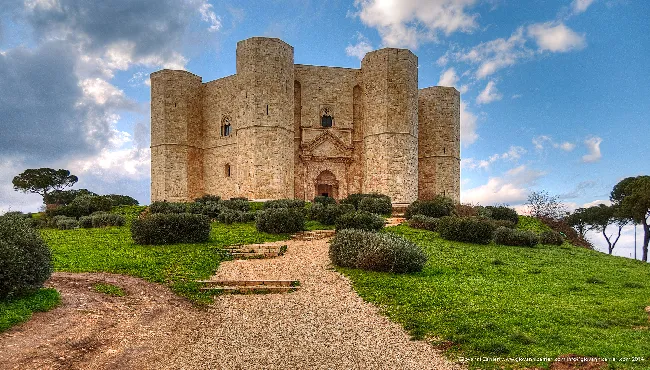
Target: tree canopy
43 180
632 195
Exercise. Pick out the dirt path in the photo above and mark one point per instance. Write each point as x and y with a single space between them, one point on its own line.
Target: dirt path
324 325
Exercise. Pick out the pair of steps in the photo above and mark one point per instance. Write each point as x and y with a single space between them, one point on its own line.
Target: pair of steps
394 221
264 250
250 286
313 235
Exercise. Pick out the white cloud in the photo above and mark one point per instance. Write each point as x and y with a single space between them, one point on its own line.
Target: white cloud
406 23
209 16
540 141
11 200
512 188
448 78
140 78
580 6
513 154
556 38
468 121
101 91
516 96
489 94
497 54
114 165
593 147
360 49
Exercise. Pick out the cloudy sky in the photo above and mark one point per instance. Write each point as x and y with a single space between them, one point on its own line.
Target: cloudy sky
554 93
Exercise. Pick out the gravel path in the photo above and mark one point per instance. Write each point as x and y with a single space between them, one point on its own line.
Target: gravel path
324 325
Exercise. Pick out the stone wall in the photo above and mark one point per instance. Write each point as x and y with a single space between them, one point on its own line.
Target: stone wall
439 142
176 131
390 107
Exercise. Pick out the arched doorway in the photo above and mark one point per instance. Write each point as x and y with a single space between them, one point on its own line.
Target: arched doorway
327 185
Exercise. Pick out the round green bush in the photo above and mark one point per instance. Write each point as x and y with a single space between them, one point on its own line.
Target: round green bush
466 229
376 252
551 238
86 222
424 222
522 238
377 205
503 213
355 199
284 203
280 220
327 214
229 216
208 208
237 204
324 200
107 219
438 207
361 220
25 259
65 222
170 228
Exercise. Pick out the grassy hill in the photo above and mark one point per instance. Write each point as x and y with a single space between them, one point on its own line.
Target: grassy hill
500 301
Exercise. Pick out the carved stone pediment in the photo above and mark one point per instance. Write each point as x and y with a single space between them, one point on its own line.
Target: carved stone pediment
326 145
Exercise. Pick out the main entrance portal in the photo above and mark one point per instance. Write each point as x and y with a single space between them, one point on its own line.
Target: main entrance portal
327 185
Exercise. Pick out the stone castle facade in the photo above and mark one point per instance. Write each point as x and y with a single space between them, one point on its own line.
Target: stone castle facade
277 129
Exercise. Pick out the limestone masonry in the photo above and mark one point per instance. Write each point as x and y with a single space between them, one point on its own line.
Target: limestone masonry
277 129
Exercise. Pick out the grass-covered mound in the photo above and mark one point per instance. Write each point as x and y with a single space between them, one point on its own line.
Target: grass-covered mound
500 301
178 265
17 310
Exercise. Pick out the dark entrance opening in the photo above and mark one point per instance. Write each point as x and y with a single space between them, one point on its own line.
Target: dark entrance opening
327 185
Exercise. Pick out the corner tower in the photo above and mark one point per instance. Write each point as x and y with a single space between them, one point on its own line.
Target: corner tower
439 142
265 141
390 134
176 150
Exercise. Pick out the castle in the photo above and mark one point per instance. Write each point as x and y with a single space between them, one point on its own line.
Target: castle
277 129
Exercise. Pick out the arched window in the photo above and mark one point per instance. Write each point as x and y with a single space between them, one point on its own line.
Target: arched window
326 119
225 126
227 170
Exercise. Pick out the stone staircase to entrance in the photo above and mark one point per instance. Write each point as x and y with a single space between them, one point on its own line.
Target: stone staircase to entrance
394 221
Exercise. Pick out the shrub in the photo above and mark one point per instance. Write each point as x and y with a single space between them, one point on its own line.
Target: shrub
500 223
466 229
324 200
240 198
284 203
437 207
83 205
208 208
122 200
170 228
67 223
523 238
65 197
86 222
237 204
376 252
551 238
208 198
503 213
229 216
424 222
25 259
327 214
361 220
355 199
107 219
466 210
167 207
377 205
280 220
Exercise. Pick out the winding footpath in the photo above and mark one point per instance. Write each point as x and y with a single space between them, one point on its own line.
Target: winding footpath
324 325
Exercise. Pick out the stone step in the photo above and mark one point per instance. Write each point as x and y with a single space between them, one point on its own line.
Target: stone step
254 254
218 283
313 235
257 289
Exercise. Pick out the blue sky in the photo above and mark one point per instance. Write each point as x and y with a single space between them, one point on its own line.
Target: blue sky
555 93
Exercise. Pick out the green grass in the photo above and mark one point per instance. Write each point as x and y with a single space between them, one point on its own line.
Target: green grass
109 289
500 301
18 310
532 224
315 225
178 266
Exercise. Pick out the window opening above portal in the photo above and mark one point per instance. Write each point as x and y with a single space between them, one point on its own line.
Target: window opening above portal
225 126
326 117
